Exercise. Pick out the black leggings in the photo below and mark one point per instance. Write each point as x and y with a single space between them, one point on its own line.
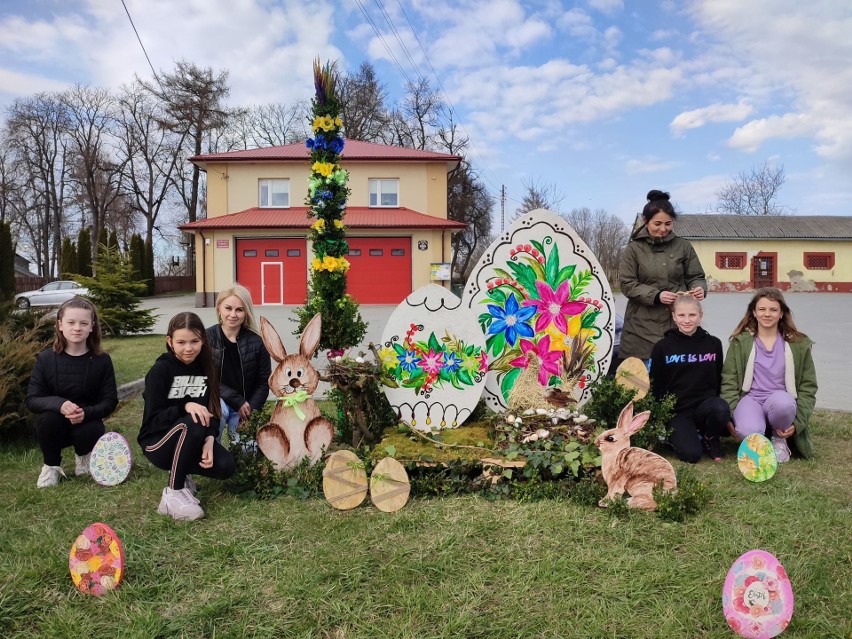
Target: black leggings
709 419
54 432
179 451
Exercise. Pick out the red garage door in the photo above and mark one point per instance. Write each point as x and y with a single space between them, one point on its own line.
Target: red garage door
274 270
380 271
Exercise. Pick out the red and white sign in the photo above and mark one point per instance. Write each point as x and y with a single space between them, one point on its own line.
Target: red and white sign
222 243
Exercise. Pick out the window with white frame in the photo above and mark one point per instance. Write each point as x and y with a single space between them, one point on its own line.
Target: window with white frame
274 193
384 192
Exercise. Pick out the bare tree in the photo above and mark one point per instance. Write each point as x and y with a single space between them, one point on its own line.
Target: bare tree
754 193
605 234
539 195
413 123
362 102
263 125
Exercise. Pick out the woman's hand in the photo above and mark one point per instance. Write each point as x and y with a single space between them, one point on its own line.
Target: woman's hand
199 413
207 453
245 411
786 433
697 293
667 297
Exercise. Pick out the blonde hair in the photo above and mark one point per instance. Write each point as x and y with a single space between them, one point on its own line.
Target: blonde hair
684 298
241 292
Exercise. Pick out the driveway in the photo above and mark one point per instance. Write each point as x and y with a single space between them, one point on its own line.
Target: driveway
823 316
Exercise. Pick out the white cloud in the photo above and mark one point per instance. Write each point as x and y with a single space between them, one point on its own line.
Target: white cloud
23 84
607 6
697 196
649 165
750 136
714 113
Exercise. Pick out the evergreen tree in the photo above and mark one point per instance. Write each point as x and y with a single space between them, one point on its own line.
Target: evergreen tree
149 266
137 257
103 244
342 324
7 262
84 253
116 295
68 259
113 241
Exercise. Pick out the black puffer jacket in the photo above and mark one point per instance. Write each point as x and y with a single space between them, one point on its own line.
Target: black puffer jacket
255 365
87 380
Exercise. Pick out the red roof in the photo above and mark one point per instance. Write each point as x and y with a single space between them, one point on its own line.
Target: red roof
355 150
357 217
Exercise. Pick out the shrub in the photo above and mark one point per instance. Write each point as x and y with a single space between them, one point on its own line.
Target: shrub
691 497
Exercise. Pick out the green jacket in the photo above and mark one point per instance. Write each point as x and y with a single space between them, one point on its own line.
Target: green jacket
801 382
648 267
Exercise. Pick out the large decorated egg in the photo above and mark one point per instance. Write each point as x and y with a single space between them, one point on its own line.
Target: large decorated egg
433 354
757 597
111 460
756 458
96 561
539 292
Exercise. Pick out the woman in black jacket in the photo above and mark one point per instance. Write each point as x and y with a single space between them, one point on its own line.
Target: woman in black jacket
241 358
72 387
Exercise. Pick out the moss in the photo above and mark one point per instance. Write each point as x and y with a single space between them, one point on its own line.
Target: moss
406 446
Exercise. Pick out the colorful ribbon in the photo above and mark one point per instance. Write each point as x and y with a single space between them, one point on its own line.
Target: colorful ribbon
293 400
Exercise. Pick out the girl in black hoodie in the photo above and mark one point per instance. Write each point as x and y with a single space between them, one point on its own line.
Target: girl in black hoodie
181 417
687 363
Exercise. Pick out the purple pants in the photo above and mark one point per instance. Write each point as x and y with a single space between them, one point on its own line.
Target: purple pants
778 409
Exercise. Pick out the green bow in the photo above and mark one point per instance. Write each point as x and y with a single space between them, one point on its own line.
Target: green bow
294 399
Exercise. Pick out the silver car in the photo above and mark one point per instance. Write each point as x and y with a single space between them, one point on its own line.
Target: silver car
52 294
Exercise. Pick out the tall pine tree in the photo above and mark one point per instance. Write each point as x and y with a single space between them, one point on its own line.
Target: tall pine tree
7 262
68 260
84 253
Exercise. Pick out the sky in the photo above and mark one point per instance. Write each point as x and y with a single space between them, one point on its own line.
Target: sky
602 99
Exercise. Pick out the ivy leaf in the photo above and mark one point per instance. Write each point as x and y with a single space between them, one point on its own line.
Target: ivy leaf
390 450
508 382
575 468
433 343
552 267
556 469
507 473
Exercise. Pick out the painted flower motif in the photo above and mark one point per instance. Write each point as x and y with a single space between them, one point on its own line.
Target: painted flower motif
755 627
432 362
553 306
470 363
408 361
483 361
550 361
388 357
758 563
452 362
511 320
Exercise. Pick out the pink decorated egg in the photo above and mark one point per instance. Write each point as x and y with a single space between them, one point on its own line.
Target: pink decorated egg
111 460
96 560
757 597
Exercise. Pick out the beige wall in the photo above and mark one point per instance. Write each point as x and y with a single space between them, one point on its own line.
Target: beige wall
790 269
234 187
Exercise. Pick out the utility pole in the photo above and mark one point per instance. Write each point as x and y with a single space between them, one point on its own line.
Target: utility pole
502 208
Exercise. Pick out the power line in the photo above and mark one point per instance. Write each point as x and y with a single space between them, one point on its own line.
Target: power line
396 34
139 39
383 41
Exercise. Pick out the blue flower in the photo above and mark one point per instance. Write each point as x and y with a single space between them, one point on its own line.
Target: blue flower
452 361
512 320
408 361
336 145
309 143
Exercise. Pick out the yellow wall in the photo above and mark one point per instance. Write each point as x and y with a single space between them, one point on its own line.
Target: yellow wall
790 268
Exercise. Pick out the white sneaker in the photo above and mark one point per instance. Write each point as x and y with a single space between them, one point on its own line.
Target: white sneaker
81 464
782 451
179 504
49 476
189 484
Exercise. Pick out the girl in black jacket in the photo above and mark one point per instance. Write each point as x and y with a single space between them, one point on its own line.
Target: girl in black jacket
242 360
687 363
181 417
73 388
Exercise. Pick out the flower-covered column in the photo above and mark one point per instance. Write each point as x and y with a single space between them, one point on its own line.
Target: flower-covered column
342 325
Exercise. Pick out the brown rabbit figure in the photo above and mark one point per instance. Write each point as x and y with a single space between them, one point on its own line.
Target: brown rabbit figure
632 470
296 429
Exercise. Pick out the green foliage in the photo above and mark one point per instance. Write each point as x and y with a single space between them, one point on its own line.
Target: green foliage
23 335
113 241
691 496
7 262
342 324
84 253
68 260
116 296
371 399
609 398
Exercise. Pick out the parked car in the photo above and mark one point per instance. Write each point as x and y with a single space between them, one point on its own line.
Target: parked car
616 344
52 294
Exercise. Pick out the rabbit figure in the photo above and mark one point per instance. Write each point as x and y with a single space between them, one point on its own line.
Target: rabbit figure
632 470
296 429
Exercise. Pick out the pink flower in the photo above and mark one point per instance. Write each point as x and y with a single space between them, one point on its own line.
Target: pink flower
432 362
735 623
755 627
553 306
550 361
758 563
483 361
782 574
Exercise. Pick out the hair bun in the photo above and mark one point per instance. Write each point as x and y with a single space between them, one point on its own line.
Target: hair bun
655 195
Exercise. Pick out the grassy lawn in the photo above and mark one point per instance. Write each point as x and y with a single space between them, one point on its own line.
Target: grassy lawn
133 356
456 567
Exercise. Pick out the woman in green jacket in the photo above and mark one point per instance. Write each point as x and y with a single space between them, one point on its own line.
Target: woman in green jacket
655 267
769 378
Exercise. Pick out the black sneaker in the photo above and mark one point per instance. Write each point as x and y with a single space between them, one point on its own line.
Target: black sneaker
713 447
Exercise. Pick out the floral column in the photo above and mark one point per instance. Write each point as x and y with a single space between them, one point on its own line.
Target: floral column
342 325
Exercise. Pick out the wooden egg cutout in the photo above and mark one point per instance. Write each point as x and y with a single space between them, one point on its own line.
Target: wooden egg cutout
539 291
111 460
344 480
756 458
389 485
433 355
757 598
96 560
633 373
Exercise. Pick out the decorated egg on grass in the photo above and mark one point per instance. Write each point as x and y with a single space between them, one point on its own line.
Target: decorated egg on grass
111 460
756 458
538 292
757 597
96 561
433 355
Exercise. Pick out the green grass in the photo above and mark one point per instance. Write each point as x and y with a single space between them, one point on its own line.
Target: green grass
133 356
455 567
